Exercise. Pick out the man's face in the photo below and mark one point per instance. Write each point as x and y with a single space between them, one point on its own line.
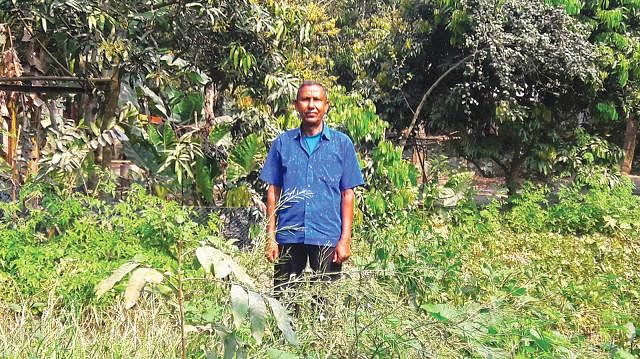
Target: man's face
312 105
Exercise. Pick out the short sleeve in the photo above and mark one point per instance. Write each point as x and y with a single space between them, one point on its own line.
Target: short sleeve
272 169
351 173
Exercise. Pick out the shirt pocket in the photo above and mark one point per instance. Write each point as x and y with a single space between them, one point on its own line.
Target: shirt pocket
330 174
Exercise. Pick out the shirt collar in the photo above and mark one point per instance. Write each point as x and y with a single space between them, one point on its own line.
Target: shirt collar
326 132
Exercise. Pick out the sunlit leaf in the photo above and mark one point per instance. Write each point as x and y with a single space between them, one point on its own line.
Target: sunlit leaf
257 315
139 278
273 353
239 305
212 258
114 278
222 264
283 321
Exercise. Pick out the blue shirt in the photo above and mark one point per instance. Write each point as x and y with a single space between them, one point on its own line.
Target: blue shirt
314 218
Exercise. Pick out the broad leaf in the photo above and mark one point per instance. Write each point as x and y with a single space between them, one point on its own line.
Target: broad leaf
114 278
142 156
221 136
222 264
157 101
212 257
230 346
245 157
283 321
273 353
138 280
127 95
241 274
168 136
257 315
203 178
239 305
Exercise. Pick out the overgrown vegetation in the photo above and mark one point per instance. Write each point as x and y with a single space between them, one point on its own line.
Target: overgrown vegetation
103 257
546 275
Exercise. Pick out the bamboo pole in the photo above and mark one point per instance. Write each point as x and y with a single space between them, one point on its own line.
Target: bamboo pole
11 150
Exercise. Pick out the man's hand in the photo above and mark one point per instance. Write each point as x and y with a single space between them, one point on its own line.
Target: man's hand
342 252
272 252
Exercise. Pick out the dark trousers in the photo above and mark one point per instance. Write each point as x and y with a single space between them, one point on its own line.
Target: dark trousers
293 260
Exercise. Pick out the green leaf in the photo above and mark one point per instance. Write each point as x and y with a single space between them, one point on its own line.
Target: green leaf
239 305
273 353
623 354
142 156
539 339
221 136
238 197
157 101
283 321
222 264
168 136
188 105
114 278
240 274
441 312
127 95
608 111
245 157
196 77
204 179
230 346
257 315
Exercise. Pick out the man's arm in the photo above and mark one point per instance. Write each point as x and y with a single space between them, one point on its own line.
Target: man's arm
343 248
273 196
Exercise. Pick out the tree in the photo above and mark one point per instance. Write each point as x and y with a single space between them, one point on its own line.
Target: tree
173 60
614 31
509 78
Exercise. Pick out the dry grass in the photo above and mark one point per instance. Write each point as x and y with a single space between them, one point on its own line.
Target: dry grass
113 333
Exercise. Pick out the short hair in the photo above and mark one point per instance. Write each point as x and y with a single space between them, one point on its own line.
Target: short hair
306 83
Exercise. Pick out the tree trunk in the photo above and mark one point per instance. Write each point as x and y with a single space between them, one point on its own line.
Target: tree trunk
512 177
514 173
629 145
211 98
110 111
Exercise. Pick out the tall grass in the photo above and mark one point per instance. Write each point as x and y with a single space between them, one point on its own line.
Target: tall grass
88 333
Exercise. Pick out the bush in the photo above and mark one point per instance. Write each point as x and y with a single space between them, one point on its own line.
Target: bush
68 244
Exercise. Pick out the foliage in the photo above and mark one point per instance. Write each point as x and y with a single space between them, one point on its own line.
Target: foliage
502 281
532 75
391 180
515 101
518 281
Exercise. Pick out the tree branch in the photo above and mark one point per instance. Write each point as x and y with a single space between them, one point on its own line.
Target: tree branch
55 60
500 164
42 89
407 132
477 165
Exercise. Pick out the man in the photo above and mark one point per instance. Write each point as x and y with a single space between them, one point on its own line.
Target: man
320 160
